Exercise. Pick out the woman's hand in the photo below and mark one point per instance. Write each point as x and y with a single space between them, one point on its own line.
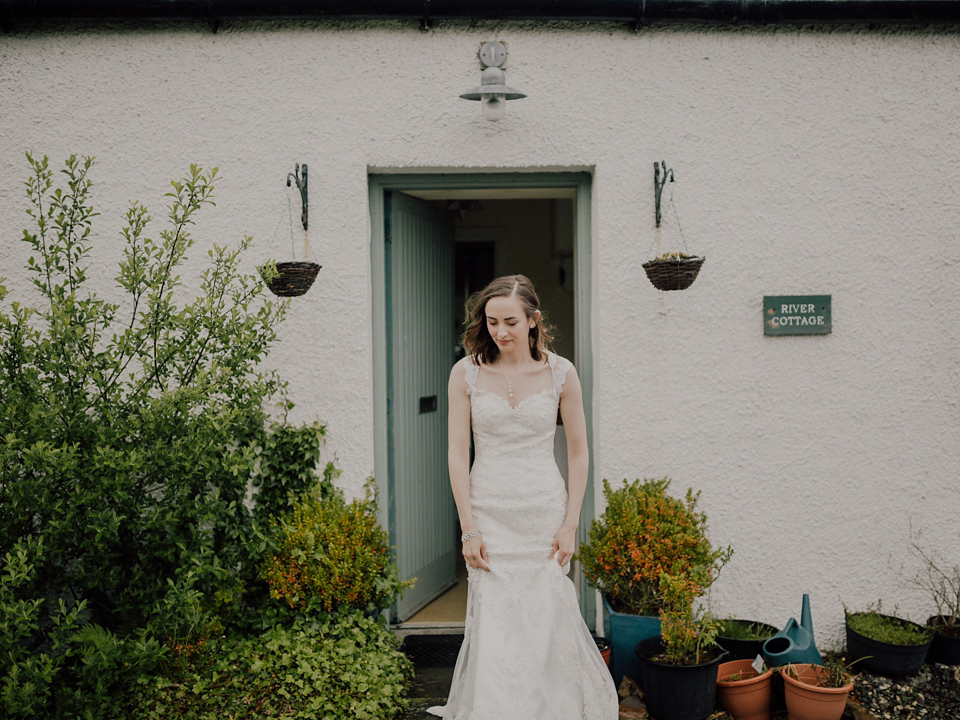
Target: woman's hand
475 553
564 544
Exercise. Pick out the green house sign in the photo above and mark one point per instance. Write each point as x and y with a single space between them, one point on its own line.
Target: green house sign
797 315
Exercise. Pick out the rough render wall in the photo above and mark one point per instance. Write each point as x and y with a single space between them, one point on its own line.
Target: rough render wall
806 163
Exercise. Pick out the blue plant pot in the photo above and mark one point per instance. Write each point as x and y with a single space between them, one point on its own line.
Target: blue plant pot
625 631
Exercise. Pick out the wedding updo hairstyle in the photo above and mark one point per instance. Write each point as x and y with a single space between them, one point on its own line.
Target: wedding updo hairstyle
476 338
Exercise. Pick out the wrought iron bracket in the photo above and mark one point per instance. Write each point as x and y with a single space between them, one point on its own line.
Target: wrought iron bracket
301 180
657 184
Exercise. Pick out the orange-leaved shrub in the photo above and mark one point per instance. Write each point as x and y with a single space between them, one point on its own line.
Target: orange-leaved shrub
332 554
643 534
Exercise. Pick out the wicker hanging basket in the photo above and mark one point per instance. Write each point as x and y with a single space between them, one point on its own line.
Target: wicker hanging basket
292 279
673 273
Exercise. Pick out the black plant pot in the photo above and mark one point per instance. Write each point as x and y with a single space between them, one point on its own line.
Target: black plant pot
676 274
895 661
677 692
738 649
945 649
293 279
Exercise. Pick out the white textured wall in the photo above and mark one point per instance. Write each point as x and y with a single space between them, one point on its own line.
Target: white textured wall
806 163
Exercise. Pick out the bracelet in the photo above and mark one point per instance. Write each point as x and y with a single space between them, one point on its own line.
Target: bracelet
467 536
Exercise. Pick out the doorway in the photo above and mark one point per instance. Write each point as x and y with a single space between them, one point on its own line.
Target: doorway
435 240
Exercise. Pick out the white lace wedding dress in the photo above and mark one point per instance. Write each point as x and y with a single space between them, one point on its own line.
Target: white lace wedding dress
526 653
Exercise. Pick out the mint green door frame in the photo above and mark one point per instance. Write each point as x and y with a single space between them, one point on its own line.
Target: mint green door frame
580 183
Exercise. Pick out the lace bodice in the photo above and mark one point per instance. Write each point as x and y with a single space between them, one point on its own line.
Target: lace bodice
523 432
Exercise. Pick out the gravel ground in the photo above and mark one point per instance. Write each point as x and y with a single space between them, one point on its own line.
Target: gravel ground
931 694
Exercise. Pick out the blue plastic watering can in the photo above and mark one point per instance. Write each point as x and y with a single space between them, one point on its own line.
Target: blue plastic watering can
794 644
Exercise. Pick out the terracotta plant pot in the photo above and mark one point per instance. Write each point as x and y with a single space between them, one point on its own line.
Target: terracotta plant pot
605 648
750 695
808 701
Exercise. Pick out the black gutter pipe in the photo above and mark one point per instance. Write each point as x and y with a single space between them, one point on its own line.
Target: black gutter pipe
637 12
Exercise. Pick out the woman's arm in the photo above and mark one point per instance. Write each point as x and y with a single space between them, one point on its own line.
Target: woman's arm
578 463
458 460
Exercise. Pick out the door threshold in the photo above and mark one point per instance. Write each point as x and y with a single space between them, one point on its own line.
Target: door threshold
427 628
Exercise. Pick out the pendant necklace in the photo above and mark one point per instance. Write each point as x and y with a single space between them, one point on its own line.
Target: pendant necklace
510 384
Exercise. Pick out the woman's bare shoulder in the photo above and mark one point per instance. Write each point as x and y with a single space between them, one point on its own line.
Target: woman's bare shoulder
462 370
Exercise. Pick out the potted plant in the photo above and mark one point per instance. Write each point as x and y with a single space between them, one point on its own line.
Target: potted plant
679 668
945 648
743 691
605 648
941 582
673 270
887 645
817 692
743 639
288 279
642 533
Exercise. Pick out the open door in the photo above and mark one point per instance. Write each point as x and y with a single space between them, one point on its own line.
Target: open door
420 353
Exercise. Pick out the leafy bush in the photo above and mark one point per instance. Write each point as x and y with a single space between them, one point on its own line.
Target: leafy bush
130 434
51 664
128 437
688 635
643 534
346 666
333 554
27 675
286 470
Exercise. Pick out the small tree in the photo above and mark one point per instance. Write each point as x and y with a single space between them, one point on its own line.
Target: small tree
688 633
939 578
332 555
128 433
643 534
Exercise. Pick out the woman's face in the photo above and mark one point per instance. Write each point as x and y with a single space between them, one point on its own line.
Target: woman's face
508 324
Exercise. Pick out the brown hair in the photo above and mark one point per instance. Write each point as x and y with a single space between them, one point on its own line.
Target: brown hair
476 338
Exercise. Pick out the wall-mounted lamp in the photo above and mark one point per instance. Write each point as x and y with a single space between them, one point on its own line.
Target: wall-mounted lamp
493 92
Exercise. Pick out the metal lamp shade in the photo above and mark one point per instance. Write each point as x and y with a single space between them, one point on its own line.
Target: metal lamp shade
492 84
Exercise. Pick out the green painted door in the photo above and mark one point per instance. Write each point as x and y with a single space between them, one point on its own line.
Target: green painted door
420 319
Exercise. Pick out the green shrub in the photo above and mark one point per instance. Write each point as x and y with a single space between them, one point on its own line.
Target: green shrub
643 534
128 438
52 664
333 554
286 469
343 667
287 464
689 635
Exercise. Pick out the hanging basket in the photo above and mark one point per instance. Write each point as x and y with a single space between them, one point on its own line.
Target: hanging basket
673 273
292 279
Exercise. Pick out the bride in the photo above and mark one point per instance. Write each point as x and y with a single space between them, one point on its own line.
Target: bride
526 653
